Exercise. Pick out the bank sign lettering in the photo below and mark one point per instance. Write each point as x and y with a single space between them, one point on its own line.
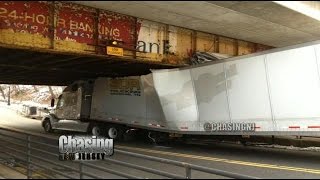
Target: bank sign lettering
84 148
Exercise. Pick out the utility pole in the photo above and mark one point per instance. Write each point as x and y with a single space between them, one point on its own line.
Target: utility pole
9 96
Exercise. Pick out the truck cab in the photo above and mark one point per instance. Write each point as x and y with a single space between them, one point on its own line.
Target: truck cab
72 110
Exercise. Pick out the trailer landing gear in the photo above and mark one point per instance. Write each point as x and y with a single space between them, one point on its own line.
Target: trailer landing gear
152 139
158 138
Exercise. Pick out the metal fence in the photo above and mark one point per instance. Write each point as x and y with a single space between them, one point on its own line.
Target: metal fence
26 144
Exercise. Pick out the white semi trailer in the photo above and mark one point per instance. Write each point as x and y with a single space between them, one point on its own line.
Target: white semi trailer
275 92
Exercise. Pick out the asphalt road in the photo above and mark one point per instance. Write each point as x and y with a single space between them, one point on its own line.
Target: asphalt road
248 160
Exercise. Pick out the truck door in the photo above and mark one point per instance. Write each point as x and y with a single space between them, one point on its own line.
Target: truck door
86 100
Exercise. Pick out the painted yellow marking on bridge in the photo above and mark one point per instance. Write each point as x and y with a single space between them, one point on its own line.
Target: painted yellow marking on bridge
245 163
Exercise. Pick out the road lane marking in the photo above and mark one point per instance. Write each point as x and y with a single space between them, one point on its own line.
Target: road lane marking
229 161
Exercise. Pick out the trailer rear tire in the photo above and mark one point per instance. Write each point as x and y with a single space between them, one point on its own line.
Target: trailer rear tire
244 143
114 132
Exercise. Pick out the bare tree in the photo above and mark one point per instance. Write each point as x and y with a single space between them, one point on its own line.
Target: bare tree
2 92
35 88
51 92
18 88
13 88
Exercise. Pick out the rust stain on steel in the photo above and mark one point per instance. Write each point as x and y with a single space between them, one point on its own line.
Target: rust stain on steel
26 17
74 23
118 27
68 27
25 23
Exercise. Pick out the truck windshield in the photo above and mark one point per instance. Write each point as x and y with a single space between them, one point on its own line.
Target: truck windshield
60 101
70 98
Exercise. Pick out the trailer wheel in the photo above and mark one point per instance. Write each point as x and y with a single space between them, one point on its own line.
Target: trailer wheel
96 130
244 143
114 132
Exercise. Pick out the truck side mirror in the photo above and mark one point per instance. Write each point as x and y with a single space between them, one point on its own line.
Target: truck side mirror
52 102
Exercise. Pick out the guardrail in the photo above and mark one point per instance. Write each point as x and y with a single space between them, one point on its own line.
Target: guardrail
29 146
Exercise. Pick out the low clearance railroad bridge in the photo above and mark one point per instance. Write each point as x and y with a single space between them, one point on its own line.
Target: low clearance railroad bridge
55 43
58 42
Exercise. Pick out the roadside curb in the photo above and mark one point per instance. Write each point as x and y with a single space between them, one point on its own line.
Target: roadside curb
288 141
8 173
304 142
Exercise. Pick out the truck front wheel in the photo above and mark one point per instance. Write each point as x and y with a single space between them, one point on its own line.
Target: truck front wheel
47 126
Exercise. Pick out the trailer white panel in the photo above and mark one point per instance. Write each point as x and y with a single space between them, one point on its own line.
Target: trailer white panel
112 102
177 97
248 92
210 88
154 111
278 90
294 83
